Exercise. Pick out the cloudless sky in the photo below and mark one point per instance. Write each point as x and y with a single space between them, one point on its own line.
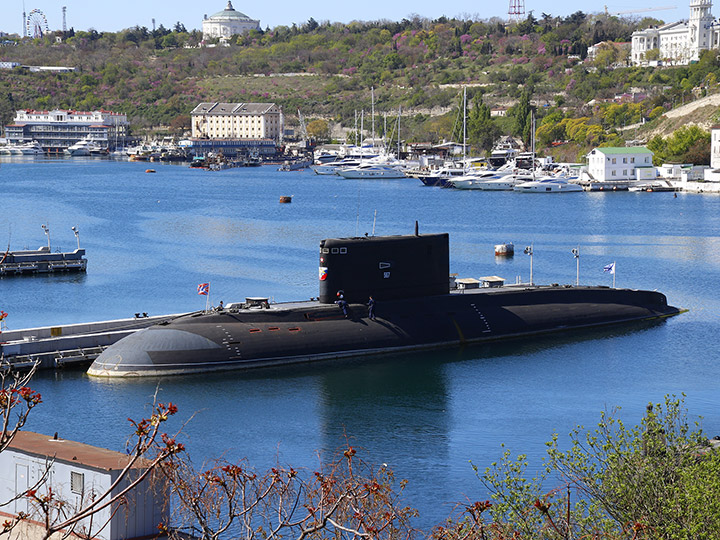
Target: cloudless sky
115 15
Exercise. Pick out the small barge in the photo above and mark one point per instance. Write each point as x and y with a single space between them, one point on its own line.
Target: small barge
43 260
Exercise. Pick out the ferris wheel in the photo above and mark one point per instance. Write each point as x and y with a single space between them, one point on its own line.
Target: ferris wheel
36 24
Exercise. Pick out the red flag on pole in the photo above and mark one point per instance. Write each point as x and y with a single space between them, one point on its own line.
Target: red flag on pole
204 288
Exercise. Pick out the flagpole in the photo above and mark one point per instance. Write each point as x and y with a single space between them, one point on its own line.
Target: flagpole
614 267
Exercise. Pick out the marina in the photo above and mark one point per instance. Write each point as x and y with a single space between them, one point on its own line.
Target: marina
153 239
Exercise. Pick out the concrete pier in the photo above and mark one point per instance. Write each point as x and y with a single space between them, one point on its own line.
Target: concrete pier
64 345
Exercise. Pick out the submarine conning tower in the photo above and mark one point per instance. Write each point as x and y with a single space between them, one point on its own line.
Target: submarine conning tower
384 267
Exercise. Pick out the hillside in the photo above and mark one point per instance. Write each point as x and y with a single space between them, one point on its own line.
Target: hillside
327 70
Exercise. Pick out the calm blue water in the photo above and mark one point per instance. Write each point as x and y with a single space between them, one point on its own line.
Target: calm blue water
151 238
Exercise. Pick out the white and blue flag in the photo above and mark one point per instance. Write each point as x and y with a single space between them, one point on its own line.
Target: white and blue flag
609 268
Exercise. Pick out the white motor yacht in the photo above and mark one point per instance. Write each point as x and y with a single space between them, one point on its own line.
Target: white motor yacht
373 170
506 182
549 184
85 147
31 148
473 180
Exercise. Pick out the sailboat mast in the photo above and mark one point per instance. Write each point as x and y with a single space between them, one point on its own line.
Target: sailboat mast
372 105
464 122
398 131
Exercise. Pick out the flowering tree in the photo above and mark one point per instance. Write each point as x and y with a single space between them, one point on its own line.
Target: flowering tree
344 498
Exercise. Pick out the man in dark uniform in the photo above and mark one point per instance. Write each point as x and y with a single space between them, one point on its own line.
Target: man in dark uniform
371 308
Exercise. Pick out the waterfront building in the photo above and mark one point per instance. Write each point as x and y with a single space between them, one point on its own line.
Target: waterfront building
237 121
58 129
621 164
77 474
678 43
227 23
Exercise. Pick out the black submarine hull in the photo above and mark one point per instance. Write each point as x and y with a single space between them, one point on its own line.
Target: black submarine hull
313 331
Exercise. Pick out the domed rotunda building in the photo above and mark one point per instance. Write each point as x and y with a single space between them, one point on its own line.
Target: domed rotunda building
227 23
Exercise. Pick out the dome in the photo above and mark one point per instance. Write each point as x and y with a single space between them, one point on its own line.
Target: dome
230 14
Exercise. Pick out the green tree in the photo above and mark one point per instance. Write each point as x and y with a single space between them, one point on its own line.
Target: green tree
482 131
657 480
318 129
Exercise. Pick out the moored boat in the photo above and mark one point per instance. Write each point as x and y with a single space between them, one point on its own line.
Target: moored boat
506 249
550 184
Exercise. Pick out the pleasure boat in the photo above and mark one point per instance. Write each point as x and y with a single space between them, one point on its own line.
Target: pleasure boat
84 147
443 176
506 182
472 180
549 184
332 168
373 170
31 148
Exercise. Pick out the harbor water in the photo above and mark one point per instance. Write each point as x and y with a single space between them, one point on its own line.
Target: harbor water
152 238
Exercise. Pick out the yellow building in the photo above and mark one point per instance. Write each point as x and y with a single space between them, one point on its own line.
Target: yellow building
237 121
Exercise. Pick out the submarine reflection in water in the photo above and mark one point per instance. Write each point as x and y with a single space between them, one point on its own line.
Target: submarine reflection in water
408 277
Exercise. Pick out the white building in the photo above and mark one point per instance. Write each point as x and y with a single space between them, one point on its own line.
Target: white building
715 147
59 129
76 473
237 121
679 42
620 164
227 23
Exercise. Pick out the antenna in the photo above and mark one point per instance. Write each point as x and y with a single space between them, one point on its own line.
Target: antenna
24 21
516 11
64 12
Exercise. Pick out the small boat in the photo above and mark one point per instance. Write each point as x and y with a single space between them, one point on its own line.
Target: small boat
295 165
506 249
654 186
150 170
285 199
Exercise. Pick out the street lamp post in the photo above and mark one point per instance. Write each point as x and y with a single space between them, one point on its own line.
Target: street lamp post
47 233
529 251
576 254
77 235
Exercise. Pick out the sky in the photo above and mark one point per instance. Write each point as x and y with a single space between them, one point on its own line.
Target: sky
112 16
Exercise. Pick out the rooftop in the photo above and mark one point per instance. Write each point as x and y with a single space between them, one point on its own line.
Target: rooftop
609 150
43 446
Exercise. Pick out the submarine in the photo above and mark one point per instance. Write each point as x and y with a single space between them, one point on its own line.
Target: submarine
415 309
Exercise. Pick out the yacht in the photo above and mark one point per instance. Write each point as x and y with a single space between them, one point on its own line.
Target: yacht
84 147
473 179
373 170
333 167
549 184
507 182
31 148
442 177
